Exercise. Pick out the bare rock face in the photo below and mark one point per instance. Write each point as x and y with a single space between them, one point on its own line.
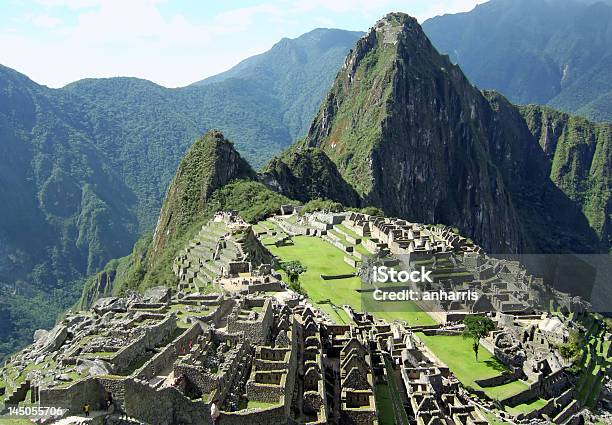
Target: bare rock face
408 131
157 295
39 334
110 304
52 340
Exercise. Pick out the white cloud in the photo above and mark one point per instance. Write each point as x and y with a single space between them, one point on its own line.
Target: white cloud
43 21
71 4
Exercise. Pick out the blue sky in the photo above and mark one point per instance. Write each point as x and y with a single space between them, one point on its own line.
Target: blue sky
173 42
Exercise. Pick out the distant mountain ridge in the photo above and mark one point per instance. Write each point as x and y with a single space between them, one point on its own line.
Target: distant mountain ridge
554 52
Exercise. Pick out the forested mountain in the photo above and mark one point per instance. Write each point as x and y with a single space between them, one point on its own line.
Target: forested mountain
407 130
84 168
554 52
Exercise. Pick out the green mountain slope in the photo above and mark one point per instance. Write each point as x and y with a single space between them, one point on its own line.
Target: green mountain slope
554 52
64 213
306 174
208 165
409 132
580 161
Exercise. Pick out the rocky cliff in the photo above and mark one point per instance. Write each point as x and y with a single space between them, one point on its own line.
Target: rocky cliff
410 133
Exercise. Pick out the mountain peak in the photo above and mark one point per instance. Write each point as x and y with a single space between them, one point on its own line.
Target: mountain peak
401 119
210 163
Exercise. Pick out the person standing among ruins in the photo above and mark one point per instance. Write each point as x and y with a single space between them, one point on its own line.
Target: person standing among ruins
86 410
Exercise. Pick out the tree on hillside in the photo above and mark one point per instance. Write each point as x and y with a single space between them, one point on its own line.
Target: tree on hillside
573 347
476 328
293 269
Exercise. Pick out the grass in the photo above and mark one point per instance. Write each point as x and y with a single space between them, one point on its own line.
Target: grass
398 413
492 420
260 404
527 407
322 258
348 231
457 353
384 405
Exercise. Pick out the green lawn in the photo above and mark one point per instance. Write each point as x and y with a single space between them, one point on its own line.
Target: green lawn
457 353
322 258
527 407
384 405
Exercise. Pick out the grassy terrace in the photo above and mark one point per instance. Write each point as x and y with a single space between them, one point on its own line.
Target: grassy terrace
348 231
320 257
457 353
493 420
527 407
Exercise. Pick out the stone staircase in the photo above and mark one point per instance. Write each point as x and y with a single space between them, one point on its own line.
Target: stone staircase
18 394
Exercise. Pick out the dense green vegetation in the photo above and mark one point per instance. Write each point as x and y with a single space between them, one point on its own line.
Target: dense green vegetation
356 110
251 199
305 173
477 328
580 155
535 51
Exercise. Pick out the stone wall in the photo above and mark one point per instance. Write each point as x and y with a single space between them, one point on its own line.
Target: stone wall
75 396
291 228
153 336
216 316
358 417
168 355
522 397
274 415
257 331
128 354
164 406
268 393
497 380
265 287
114 386
568 412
